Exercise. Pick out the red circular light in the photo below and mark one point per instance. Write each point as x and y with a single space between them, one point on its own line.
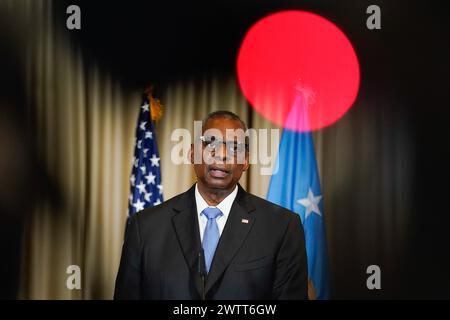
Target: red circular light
299 50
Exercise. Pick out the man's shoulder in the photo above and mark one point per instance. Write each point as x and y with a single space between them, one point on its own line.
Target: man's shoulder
164 212
161 211
269 209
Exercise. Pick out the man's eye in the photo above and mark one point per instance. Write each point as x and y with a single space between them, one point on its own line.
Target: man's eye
210 139
210 143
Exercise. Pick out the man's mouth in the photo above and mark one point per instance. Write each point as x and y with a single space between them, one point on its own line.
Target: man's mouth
218 172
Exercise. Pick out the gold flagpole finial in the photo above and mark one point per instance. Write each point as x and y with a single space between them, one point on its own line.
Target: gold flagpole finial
156 108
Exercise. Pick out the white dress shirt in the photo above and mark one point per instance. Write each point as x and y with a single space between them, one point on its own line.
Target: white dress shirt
224 206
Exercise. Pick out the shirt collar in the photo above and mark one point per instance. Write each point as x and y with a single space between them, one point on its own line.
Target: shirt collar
224 205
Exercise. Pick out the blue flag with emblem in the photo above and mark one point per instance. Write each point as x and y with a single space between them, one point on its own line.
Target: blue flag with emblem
296 186
146 189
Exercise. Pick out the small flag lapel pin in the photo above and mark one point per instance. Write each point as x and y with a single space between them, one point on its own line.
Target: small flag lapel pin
244 221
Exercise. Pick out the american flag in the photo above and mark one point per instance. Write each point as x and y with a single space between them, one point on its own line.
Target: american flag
146 189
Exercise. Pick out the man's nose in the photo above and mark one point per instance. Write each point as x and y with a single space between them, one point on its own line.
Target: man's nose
220 152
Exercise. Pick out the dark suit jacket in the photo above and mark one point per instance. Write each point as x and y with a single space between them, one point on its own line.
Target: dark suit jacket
262 259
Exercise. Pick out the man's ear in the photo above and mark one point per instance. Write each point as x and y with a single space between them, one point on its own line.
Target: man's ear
247 162
191 153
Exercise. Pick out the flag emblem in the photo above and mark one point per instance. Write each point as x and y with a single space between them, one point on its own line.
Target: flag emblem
146 189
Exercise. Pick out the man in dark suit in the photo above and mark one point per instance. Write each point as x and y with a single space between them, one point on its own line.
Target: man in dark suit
215 241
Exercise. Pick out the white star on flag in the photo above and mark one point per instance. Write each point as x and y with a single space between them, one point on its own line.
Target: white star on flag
160 187
147 196
145 107
138 205
141 187
155 160
150 178
157 202
148 135
142 125
132 179
311 203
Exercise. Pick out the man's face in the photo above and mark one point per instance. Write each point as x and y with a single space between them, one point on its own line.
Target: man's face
220 167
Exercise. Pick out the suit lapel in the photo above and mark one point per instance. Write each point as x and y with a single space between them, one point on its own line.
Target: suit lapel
236 229
186 227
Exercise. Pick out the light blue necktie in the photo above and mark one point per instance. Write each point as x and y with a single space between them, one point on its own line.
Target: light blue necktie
211 235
